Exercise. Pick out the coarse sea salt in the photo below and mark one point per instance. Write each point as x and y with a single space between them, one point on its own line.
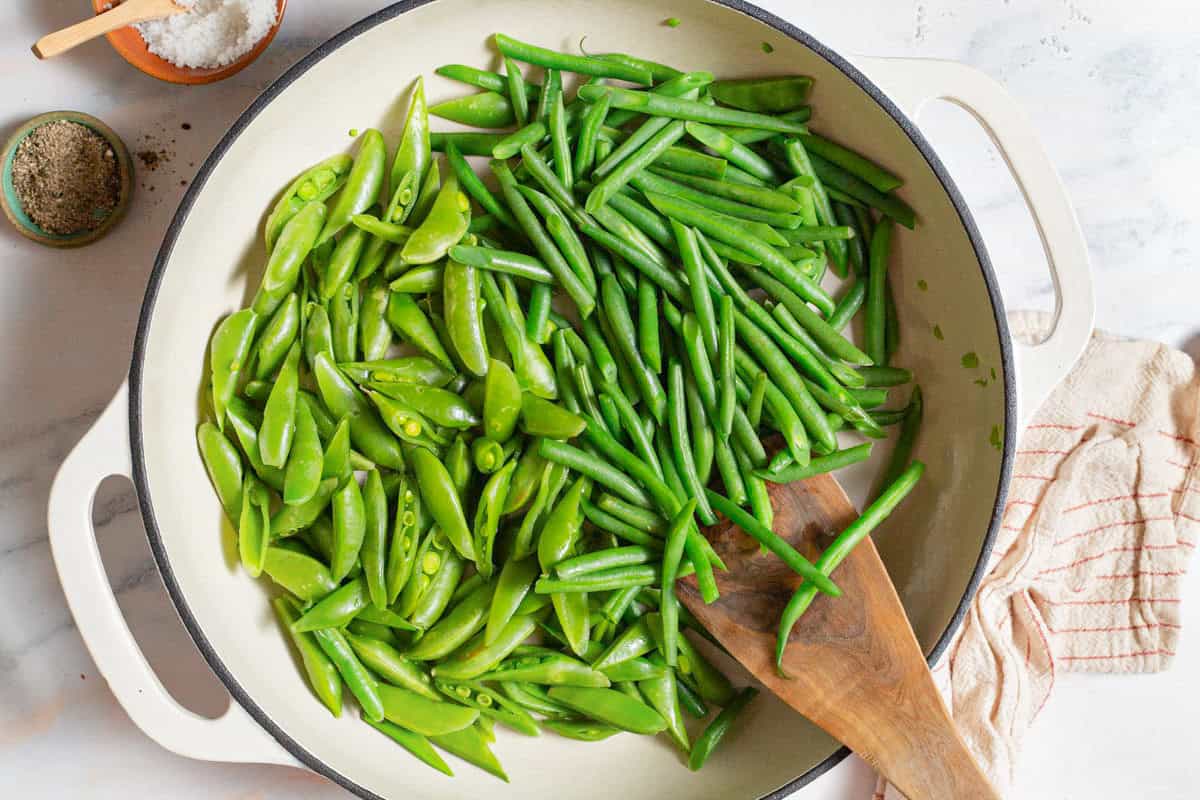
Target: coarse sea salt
212 33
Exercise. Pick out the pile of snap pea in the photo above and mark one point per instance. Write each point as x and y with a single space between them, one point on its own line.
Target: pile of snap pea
473 433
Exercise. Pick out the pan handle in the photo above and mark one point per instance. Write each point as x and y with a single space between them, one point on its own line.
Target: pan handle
104 451
912 82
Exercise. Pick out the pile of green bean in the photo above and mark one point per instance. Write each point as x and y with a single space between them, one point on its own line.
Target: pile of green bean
474 443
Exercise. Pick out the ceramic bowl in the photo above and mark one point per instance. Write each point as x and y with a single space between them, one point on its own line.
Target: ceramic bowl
11 202
936 546
132 47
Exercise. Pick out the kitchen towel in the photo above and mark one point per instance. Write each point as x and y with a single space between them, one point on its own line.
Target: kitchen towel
1103 514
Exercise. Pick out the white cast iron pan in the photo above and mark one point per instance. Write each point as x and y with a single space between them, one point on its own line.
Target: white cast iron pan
935 547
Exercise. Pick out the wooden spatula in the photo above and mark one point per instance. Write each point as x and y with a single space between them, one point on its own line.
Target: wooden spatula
857 670
126 13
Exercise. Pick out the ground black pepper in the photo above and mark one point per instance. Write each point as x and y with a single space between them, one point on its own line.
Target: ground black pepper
66 177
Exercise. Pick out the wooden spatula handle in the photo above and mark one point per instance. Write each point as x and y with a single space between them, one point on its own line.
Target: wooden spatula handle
909 737
126 13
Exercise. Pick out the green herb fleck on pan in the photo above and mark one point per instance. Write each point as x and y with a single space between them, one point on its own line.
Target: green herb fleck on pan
994 438
922 285
672 22
767 47
992 372
981 381
937 333
970 360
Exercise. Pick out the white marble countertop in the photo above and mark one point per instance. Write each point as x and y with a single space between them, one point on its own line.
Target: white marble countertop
1113 95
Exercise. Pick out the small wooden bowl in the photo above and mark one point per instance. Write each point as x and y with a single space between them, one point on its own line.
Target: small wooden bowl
132 47
11 203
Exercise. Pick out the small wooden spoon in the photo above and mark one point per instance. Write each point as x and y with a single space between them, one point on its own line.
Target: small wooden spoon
126 13
857 670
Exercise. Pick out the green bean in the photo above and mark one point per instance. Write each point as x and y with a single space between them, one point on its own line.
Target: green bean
551 90
539 312
693 265
775 543
891 330
822 339
647 326
885 376
658 72
889 417
601 472
607 522
583 65
517 93
549 253
801 164
678 108
732 232
559 144
563 234
684 459
634 163
632 423
703 437
675 540
621 227
703 557
889 204
757 393
735 152
602 581
848 305
647 221
589 402
541 172
692 162
716 730
743 431
637 516
818 465
585 147
480 78
856 244
727 381
474 187
617 313
753 135
852 162
909 428
740 177
687 85
881 243
842 546
597 560
508 146
662 275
